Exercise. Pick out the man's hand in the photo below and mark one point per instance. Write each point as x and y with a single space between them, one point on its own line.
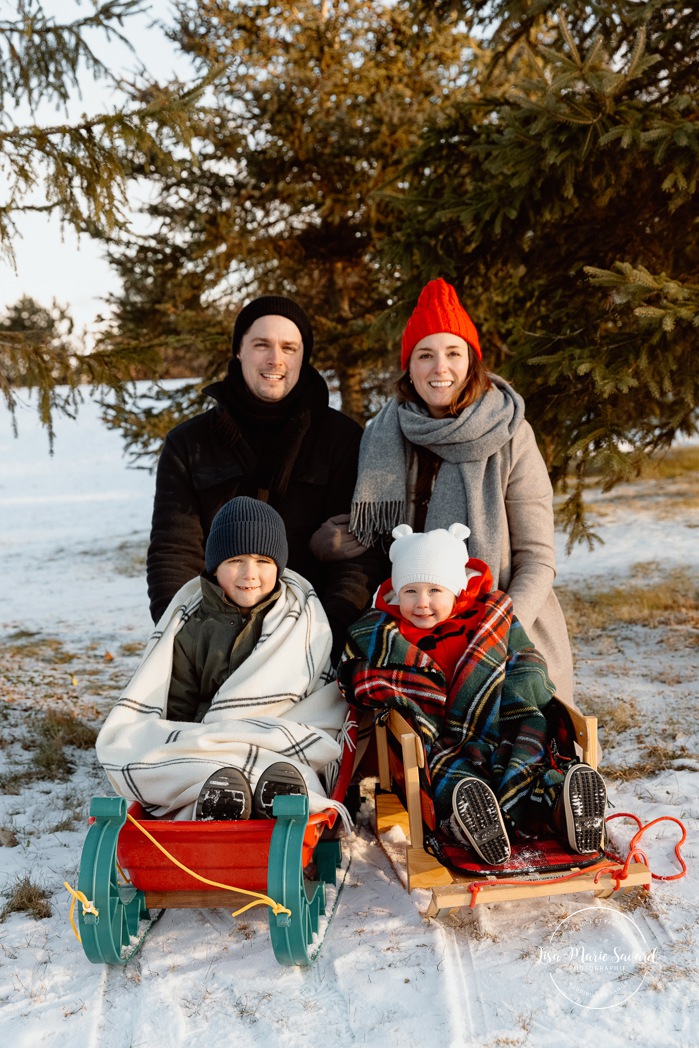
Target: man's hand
334 541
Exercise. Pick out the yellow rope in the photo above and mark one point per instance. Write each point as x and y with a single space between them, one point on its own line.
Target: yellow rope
258 898
126 879
88 907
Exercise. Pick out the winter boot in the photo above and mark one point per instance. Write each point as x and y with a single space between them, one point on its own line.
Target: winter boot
225 795
477 814
579 812
279 778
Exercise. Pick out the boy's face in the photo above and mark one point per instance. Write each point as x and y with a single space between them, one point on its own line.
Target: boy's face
248 579
424 604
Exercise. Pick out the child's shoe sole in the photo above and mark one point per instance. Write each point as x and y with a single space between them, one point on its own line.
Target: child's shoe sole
477 813
225 795
585 801
279 778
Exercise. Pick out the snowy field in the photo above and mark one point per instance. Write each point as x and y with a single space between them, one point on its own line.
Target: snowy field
73 614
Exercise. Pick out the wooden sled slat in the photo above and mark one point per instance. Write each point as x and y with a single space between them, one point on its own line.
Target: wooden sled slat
194 900
424 871
458 894
389 813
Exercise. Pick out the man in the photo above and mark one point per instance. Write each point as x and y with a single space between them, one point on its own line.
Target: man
270 435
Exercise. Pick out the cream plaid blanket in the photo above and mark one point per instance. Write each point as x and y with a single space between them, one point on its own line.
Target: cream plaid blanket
282 703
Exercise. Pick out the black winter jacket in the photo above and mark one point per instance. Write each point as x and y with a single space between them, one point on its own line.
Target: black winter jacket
204 464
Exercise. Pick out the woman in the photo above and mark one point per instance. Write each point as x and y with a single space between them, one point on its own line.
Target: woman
453 445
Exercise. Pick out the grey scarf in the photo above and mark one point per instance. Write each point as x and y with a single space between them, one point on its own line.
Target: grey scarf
468 487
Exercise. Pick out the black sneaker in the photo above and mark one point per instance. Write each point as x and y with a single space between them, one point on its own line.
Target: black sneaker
478 815
279 778
225 795
584 802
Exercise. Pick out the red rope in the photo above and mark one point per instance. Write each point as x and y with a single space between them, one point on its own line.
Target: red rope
477 886
639 833
617 874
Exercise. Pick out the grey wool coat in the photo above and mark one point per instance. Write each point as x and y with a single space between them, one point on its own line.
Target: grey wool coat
528 555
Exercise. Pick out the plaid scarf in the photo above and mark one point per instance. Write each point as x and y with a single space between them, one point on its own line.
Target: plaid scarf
489 720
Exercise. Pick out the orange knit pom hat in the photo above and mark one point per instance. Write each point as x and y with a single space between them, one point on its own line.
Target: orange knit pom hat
438 309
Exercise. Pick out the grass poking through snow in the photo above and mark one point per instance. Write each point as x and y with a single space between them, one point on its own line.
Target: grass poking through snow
26 897
671 599
52 733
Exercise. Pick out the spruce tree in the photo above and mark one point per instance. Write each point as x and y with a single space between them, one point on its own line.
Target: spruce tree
564 210
78 168
318 107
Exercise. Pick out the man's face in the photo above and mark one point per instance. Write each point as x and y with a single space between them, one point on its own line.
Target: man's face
271 355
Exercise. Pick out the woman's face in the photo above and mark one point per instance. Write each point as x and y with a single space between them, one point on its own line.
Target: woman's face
439 366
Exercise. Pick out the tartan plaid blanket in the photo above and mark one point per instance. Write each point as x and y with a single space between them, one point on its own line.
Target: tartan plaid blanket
489 721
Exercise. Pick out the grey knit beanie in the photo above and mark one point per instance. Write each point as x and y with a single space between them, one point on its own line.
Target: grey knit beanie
246 526
273 306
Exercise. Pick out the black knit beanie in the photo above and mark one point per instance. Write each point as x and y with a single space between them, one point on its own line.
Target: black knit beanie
277 306
246 526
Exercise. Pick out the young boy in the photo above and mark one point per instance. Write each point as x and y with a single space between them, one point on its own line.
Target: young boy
446 649
234 701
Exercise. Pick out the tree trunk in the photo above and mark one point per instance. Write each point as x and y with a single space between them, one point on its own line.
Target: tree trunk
351 393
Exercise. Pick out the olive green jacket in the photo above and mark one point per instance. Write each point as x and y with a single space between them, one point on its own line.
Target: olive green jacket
213 642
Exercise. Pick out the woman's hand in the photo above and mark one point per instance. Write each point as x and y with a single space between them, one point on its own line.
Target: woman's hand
334 541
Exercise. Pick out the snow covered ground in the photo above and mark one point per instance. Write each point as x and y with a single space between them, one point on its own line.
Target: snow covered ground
73 613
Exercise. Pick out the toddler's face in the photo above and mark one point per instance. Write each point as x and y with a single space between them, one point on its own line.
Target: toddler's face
424 604
248 579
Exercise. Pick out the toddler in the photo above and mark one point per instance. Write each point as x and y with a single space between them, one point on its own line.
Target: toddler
445 648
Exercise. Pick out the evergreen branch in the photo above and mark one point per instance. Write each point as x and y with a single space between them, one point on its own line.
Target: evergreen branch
87 165
144 419
44 55
637 53
635 279
593 54
41 366
572 516
567 35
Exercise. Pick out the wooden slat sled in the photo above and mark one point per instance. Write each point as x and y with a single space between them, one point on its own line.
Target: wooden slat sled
450 889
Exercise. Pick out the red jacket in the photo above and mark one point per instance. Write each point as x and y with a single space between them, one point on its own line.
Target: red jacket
448 639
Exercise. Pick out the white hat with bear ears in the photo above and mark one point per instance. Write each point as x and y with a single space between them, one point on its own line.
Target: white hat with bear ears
438 557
